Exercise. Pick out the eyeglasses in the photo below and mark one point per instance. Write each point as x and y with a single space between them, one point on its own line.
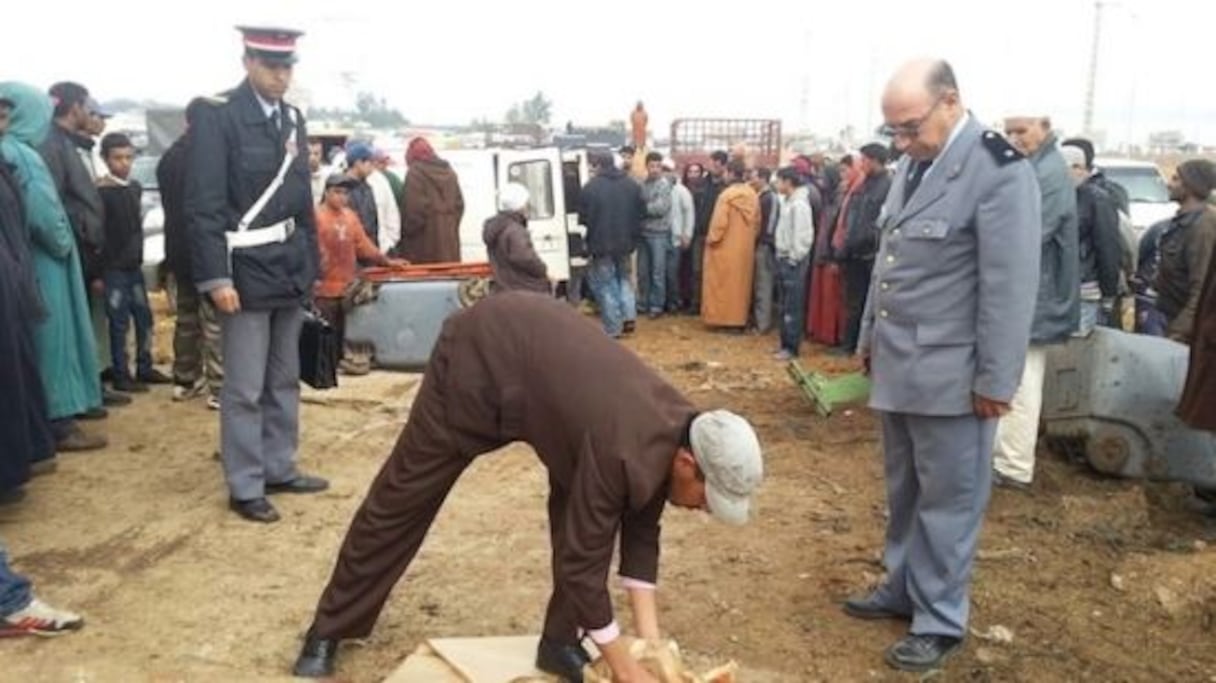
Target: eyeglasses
910 130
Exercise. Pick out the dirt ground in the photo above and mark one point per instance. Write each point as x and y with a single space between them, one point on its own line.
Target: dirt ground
1095 579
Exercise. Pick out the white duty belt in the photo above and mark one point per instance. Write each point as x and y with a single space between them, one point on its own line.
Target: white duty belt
243 237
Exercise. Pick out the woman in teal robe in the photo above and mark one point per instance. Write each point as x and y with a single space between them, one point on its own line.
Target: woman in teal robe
67 351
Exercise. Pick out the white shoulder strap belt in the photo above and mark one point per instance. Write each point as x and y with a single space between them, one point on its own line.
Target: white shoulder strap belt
243 237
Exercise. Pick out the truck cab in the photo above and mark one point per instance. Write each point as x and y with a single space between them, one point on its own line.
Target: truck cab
554 179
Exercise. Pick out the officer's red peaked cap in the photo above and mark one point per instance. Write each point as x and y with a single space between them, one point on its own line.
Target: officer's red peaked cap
269 42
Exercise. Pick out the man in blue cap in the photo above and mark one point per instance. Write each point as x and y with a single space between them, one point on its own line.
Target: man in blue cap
249 204
360 166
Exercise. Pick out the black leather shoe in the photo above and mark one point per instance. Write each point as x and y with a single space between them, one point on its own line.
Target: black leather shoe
256 510
154 376
301 484
562 659
114 399
316 658
918 654
127 385
629 327
94 414
870 607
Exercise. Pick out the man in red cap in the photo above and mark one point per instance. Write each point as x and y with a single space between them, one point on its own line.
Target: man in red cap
253 231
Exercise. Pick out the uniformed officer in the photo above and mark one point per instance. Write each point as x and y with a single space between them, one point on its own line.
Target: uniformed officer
249 205
944 334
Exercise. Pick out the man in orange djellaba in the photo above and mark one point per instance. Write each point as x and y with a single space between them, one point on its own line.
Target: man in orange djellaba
730 252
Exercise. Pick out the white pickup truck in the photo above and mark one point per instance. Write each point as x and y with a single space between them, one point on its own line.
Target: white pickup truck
1146 190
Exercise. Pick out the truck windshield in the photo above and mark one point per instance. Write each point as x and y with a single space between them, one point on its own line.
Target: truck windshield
1142 184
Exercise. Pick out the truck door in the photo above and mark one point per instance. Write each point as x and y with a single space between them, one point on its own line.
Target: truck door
540 170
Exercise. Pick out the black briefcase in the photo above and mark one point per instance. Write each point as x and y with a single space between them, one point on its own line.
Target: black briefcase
320 352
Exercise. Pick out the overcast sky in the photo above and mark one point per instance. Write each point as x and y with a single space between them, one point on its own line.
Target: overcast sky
452 61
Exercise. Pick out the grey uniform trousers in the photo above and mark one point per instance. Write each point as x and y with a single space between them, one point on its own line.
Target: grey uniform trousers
939 478
260 400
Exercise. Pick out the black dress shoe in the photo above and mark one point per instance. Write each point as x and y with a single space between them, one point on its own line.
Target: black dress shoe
154 376
256 510
562 659
918 653
870 607
316 658
128 386
114 399
301 484
629 327
94 414
12 496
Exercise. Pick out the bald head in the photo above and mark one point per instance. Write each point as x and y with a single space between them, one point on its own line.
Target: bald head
921 106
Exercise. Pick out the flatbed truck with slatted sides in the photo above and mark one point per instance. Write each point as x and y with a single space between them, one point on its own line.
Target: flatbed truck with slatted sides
694 139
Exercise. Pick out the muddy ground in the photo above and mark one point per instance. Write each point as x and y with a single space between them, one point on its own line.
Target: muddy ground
1096 579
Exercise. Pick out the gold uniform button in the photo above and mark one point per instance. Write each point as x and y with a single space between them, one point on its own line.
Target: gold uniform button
885 286
890 258
882 313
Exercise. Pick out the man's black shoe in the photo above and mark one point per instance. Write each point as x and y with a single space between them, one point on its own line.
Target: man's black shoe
630 327
114 399
561 659
301 484
154 376
94 414
12 496
870 607
256 510
919 654
128 386
316 658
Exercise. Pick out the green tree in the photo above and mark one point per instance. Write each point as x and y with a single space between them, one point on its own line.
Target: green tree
538 109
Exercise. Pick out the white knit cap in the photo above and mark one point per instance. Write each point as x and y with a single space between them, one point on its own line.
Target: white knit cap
512 197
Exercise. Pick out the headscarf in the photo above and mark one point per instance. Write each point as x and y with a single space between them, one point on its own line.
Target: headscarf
419 150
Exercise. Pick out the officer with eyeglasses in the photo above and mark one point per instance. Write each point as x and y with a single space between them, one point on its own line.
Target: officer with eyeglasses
944 336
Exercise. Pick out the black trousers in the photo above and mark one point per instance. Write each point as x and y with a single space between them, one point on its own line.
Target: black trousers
856 289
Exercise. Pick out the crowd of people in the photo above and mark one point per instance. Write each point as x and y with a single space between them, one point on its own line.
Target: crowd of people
947 274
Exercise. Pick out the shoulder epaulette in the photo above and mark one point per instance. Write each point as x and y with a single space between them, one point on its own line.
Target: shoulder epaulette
217 99
1000 149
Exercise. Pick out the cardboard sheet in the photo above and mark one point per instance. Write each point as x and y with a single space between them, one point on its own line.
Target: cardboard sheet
508 659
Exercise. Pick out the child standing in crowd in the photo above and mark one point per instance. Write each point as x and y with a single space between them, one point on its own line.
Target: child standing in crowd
793 238
122 260
343 244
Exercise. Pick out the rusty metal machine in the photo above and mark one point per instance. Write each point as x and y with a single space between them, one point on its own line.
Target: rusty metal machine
1109 399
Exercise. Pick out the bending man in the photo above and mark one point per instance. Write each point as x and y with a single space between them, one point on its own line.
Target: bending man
619 444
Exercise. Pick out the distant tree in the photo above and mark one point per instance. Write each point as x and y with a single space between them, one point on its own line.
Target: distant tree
538 109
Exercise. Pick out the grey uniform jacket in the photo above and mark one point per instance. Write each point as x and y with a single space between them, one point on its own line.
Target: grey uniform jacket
955 281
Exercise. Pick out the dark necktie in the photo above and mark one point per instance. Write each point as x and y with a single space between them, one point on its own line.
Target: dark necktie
916 173
274 122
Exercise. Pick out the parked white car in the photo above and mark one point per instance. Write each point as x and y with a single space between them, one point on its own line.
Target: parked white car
1146 190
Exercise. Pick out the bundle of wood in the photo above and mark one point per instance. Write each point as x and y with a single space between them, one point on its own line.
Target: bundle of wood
662 659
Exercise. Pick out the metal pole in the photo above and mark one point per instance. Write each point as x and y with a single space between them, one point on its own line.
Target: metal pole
1088 120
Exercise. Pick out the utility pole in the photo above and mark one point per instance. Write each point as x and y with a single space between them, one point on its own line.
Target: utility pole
1088 120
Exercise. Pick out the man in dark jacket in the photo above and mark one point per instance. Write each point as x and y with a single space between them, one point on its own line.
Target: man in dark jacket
764 287
1057 312
65 150
861 238
509 247
254 252
359 166
612 209
499 373
1186 248
706 200
1100 252
197 364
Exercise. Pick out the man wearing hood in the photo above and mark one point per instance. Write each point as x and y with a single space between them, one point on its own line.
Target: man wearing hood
1057 313
501 372
25 430
66 347
612 208
730 252
509 247
432 208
